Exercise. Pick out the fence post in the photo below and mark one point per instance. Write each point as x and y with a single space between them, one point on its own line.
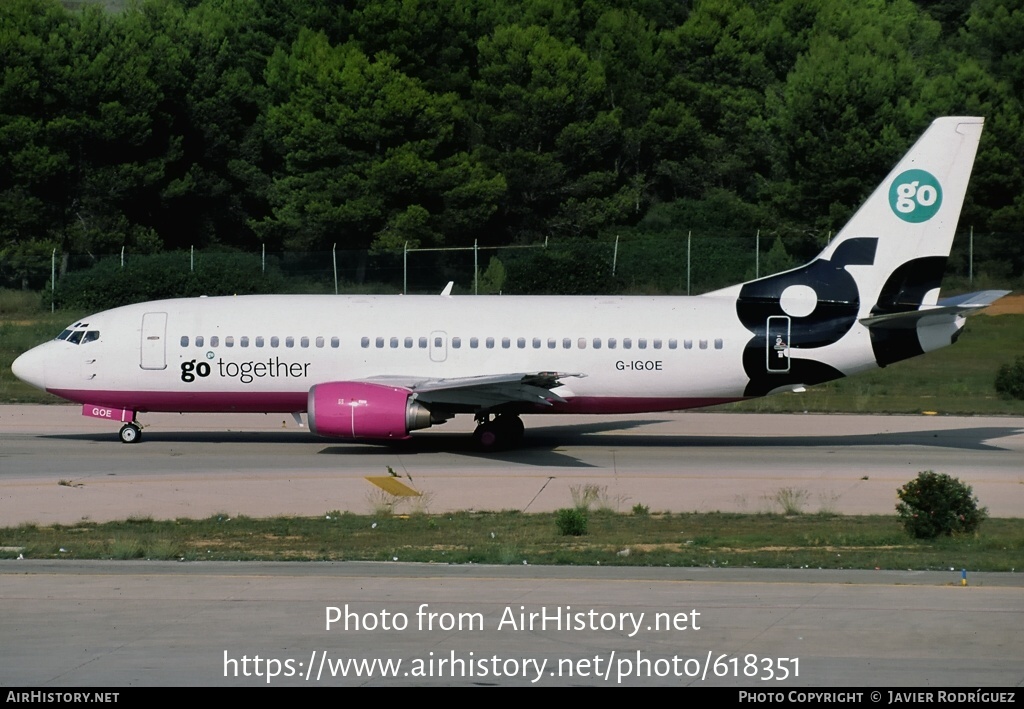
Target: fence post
476 269
192 258
970 259
53 279
615 254
689 236
334 259
405 268
757 256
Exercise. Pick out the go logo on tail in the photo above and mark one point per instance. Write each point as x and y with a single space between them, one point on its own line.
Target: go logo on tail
915 196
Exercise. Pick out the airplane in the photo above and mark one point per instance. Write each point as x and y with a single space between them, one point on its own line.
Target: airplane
375 368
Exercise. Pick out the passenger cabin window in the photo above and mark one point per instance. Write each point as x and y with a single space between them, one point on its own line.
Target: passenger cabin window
243 341
363 342
719 344
394 343
489 342
422 342
320 342
456 342
597 343
214 341
612 342
229 341
642 343
304 342
275 341
259 340
408 343
184 340
336 342
474 342
289 341
521 343
505 343
672 344
379 343
199 340
627 343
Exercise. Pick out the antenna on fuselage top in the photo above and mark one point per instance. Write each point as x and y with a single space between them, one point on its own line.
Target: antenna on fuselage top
447 292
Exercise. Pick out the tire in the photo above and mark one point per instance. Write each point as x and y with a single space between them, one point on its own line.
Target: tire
130 433
487 436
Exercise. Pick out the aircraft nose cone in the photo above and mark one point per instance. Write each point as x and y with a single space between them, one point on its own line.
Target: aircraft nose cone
31 368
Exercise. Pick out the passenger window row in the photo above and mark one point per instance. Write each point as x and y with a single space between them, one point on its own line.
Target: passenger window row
522 343
260 341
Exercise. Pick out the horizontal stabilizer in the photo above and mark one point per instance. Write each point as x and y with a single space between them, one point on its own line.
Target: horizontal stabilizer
949 307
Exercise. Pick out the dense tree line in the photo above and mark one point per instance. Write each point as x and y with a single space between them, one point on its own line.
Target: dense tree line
298 124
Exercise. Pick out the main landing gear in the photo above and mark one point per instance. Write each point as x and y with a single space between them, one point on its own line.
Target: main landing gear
503 431
130 433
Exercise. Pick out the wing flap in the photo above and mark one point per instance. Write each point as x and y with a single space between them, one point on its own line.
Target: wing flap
484 391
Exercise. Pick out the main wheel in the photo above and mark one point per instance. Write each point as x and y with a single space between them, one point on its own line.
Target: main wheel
130 433
505 431
511 429
487 436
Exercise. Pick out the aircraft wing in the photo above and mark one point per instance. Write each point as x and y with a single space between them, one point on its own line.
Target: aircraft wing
949 307
483 391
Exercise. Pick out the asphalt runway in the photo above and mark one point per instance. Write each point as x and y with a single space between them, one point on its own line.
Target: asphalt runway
58 466
123 624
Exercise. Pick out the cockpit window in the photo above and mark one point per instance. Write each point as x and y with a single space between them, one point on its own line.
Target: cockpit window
78 335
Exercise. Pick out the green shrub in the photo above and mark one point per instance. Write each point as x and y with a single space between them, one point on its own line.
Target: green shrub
936 504
1010 380
571 522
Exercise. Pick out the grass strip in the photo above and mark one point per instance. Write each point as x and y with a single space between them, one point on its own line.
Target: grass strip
509 537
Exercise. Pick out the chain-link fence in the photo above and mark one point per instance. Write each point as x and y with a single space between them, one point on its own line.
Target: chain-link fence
675 263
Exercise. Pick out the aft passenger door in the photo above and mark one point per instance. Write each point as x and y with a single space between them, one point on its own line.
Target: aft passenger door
153 351
777 344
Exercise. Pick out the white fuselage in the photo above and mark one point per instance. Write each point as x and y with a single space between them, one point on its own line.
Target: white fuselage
264 353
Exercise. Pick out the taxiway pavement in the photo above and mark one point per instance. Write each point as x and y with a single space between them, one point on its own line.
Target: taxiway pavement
122 624
57 466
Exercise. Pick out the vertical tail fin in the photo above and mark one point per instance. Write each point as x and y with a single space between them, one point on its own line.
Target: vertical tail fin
912 217
888 259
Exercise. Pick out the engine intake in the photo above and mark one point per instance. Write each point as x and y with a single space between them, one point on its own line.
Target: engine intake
363 410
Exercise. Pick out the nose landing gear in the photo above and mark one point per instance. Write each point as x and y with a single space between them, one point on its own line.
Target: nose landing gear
130 433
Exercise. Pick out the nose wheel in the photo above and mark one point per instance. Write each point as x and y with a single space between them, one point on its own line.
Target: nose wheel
130 433
504 431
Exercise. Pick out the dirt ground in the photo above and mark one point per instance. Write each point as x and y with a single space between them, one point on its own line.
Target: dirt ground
1010 305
